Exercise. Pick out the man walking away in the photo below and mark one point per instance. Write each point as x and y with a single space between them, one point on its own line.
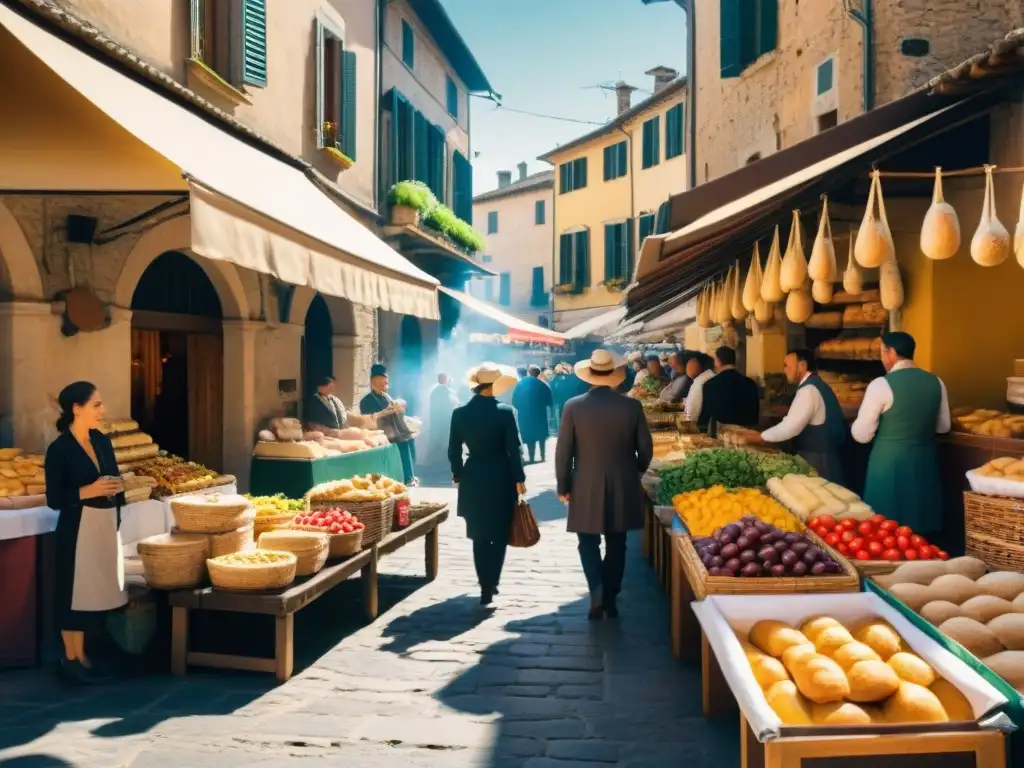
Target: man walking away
604 446
532 398
730 397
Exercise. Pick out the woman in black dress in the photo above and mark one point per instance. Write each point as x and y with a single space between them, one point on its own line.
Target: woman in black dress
491 478
83 484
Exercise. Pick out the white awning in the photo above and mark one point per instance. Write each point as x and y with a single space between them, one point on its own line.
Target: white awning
248 207
517 330
600 325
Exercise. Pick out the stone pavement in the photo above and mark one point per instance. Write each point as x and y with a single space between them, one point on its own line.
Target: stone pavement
435 681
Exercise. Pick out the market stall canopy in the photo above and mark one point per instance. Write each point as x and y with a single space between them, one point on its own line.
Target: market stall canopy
516 329
247 207
672 267
601 325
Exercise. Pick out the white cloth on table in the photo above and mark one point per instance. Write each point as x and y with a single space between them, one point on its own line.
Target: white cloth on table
695 398
34 521
807 410
878 398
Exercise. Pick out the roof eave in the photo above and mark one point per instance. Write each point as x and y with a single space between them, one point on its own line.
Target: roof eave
469 69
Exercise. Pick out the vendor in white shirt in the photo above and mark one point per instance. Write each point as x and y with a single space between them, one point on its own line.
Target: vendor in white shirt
902 412
699 368
815 423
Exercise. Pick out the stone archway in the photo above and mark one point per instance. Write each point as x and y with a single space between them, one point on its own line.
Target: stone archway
344 342
26 281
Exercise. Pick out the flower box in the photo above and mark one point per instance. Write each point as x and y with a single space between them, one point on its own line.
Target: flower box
404 215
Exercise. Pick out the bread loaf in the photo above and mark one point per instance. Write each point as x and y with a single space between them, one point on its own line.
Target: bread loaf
852 653
912 668
821 680
958 708
872 681
789 705
839 713
774 637
130 439
880 637
136 453
767 670
914 704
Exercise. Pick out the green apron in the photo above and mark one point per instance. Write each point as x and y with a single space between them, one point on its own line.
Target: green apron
821 445
903 471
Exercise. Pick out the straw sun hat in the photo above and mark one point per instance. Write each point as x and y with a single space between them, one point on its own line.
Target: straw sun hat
603 369
490 374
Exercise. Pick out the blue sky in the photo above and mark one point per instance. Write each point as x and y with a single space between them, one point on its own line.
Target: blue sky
544 56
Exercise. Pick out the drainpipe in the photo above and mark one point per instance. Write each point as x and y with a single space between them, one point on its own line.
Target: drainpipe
691 87
632 191
378 64
865 17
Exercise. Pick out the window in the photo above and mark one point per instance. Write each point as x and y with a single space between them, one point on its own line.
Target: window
505 289
828 120
229 37
538 212
336 92
574 260
674 131
413 148
538 295
825 76
618 251
452 97
652 143
408 45
462 187
488 258
615 162
492 222
645 227
489 289
749 29
572 175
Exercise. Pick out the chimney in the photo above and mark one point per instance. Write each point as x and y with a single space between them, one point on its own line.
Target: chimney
504 178
662 77
624 92
522 171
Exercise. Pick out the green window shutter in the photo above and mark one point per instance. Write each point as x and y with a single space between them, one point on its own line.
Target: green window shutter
656 140
623 158
564 178
391 102
321 43
538 212
630 260
348 103
421 155
537 296
608 163
408 45
664 220
582 265
825 76
610 253
674 132
452 97
767 26
437 149
492 222
565 259
579 173
462 192
731 63
645 227
505 288
254 42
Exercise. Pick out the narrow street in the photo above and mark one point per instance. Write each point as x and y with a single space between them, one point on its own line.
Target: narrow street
435 681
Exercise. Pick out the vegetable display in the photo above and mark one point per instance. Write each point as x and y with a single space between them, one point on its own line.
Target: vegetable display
706 510
877 538
807 496
778 464
270 506
753 548
704 469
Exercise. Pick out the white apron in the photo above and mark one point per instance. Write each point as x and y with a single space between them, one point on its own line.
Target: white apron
99 563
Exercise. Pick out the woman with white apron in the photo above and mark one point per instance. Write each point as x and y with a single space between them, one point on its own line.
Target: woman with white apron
83 484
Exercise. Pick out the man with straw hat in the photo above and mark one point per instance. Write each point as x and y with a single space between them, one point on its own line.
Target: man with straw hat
604 446
491 477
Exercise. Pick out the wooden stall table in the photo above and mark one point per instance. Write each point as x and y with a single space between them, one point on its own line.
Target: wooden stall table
293 477
284 603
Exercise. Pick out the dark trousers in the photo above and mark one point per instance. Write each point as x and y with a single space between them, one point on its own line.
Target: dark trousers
604 576
407 451
532 448
489 559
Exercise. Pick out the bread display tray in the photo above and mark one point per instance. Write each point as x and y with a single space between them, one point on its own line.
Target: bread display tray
995 486
721 617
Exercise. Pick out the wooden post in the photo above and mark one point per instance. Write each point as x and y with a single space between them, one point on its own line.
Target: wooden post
284 646
179 641
368 575
431 543
716 697
676 601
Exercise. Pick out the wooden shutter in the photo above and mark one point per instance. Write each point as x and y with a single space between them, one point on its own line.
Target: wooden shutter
321 50
492 222
408 45
537 293
391 102
505 288
581 266
565 178
452 97
646 227
610 251
565 245
462 181
767 26
729 38
420 152
656 140
348 103
623 157
438 150
608 162
254 42
664 215
579 173
630 259
538 212
406 140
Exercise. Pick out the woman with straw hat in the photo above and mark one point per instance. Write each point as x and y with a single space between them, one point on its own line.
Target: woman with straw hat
491 477
604 446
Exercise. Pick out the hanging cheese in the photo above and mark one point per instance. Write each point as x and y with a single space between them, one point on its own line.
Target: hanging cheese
712 303
991 242
874 244
1018 235
940 232
722 313
821 291
752 285
890 286
853 280
799 306
702 319
794 264
822 266
739 311
764 313
771 287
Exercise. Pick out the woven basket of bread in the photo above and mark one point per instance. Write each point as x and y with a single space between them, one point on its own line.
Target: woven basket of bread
228 543
264 523
339 544
212 513
174 560
310 549
253 571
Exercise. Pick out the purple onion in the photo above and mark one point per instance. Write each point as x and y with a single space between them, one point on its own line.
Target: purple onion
799 569
789 557
733 564
751 570
778 570
768 555
748 556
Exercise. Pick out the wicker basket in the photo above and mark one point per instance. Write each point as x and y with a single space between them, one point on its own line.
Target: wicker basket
271 523
419 511
705 584
340 544
215 513
174 560
375 515
254 577
994 527
228 543
310 549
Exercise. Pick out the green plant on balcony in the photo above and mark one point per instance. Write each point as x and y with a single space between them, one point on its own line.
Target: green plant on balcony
412 194
615 284
566 289
330 138
436 215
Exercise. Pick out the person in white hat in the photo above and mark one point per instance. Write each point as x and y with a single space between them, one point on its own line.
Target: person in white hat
491 477
604 446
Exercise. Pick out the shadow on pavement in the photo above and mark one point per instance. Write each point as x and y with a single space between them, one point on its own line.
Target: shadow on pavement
36 761
437 622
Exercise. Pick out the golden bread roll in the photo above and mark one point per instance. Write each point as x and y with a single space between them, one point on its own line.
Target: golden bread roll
130 439
821 680
851 653
958 708
812 627
789 705
767 669
831 638
914 704
839 713
880 637
774 637
796 656
871 681
912 668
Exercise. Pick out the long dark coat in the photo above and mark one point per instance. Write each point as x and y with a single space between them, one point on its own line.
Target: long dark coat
604 446
487 477
531 399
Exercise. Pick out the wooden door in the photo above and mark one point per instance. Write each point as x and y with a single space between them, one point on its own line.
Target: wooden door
206 399
147 369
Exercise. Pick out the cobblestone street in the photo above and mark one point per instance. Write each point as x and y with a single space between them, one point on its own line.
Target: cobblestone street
435 681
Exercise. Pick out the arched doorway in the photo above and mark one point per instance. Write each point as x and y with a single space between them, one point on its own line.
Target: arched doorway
178 359
407 379
317 346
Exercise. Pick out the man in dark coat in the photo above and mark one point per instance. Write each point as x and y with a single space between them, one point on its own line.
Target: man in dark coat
730 397
389 414
604 446
532 398
443 401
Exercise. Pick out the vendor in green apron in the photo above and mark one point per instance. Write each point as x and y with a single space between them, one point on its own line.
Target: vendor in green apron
902 412
814 426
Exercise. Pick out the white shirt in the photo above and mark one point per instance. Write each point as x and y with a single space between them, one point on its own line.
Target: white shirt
695 399
878 398
808 409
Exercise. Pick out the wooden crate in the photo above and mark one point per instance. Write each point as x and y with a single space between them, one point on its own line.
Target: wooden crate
994 528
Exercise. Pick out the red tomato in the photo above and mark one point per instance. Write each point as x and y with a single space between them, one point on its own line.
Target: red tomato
828 521
911 554
813 522
877 519
877 535
943 554
875 547
843 548
863 555
917 541
846 524
865 528
889 525
904 530
889 542
857 544
892 554
848 536
903 543
832 539
927 552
